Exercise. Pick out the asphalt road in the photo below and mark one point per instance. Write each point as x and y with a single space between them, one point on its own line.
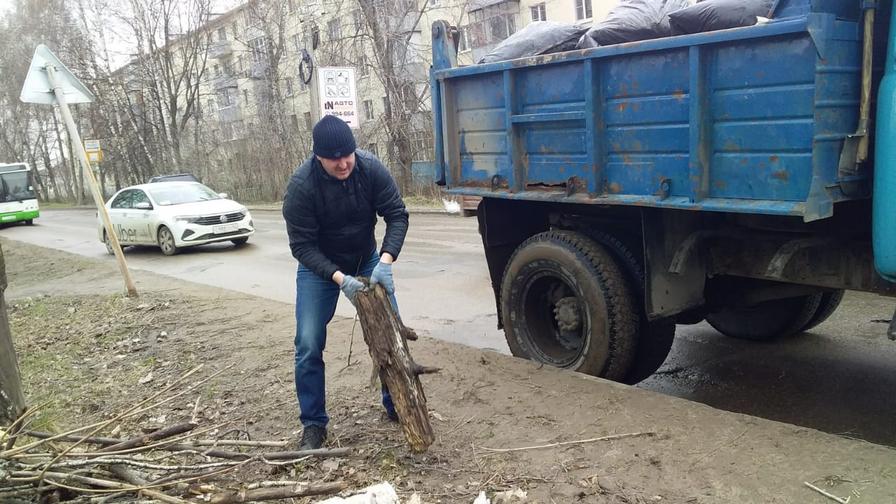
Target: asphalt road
840 378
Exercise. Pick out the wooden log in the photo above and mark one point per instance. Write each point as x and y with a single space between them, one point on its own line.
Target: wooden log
263 494
12 398
385 336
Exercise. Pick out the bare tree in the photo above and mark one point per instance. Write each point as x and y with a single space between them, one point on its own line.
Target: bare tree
159 92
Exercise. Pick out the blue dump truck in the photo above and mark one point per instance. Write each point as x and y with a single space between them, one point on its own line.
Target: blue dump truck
745 177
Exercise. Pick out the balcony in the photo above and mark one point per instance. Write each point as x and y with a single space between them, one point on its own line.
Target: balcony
224 81
220 49
259 69
230 114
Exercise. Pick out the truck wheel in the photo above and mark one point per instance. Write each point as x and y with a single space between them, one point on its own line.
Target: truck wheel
826 307
565 302
656 338
768 320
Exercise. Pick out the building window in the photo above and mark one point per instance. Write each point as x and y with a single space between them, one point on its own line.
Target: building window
334 29
368 110
294 120
464 39
239 65
538 12
245 96
583 9
387 110
307 117
222 33
228 68
239 129
422 146
291 5
259 48
225 98
211 105
297 43
289 89
234 30
501 27
373 150
216 70
303 86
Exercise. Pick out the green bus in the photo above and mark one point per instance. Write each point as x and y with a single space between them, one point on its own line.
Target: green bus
18 202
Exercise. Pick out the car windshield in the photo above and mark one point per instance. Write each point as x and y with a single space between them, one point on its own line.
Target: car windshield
182 193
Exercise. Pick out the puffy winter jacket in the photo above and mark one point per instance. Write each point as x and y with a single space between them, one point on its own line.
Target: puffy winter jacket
330 222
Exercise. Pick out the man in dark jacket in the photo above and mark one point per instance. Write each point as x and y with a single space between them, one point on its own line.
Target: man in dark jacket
330 209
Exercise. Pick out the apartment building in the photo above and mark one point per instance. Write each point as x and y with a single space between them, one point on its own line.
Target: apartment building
263 55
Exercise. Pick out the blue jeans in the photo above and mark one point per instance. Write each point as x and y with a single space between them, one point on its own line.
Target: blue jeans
315 306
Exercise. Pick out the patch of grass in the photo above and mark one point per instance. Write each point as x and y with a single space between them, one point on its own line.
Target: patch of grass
423 201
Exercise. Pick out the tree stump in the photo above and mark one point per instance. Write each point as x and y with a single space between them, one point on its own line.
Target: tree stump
386 337
12 399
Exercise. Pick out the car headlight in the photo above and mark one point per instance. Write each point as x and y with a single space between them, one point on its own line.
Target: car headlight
187 218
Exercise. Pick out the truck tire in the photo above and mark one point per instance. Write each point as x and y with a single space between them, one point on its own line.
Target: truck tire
766 321
826 307
566 302
655 338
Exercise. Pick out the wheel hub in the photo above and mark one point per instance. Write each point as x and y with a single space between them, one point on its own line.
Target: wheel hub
566 313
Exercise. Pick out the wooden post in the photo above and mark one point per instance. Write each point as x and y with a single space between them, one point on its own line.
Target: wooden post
12 399
386 337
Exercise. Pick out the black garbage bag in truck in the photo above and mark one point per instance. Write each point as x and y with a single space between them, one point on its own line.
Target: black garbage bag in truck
540 37
709 15
633 20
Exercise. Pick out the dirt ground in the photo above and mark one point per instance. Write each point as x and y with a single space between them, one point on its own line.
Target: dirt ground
90 352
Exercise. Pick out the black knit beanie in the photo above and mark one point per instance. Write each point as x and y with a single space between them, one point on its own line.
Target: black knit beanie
333 138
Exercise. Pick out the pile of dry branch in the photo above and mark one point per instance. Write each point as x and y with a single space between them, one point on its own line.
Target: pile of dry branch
170 464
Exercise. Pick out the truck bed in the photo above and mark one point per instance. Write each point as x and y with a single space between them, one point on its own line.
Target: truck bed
747 120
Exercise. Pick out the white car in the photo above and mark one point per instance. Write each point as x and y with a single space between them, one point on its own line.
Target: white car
174 215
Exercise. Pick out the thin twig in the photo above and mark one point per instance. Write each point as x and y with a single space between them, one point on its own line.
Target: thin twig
567 443
828 495
99 425
351 341
132 463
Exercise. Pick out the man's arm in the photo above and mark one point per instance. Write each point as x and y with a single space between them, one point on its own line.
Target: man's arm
390 206
302 229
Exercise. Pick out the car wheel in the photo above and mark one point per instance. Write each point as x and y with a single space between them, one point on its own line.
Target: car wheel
166 242
29 222
240 241
108 243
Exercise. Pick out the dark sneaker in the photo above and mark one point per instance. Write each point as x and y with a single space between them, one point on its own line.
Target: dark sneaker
313 437
392 415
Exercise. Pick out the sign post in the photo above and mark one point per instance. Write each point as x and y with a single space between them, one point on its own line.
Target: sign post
50 82
338 94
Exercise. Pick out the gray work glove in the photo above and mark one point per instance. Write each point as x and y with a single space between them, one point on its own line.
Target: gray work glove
382 274
351 286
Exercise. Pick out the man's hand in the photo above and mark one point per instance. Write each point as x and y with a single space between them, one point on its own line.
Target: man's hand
351 286
382 274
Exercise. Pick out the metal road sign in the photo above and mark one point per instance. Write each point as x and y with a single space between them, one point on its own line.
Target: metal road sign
37 87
